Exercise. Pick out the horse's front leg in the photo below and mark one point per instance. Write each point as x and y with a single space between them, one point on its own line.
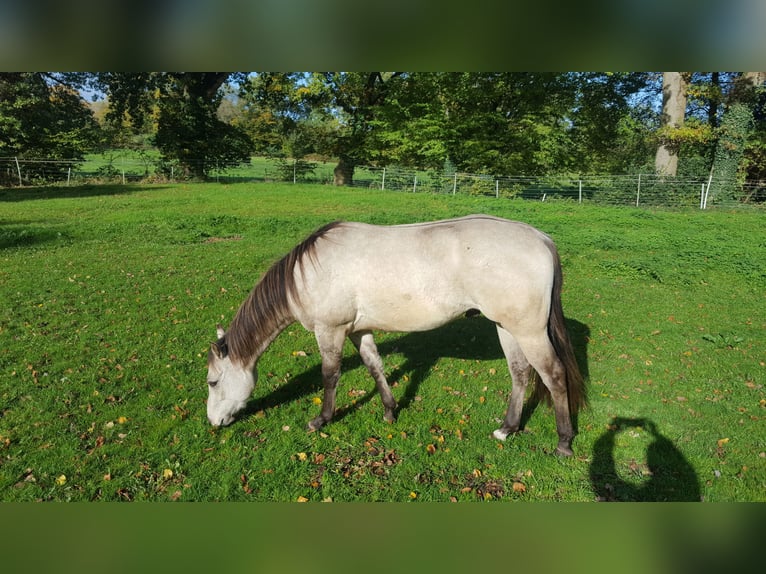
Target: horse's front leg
331 349
365 344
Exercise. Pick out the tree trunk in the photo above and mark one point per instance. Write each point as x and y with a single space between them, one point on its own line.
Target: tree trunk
344 171
674 86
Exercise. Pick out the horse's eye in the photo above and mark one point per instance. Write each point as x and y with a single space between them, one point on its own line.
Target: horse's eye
212 383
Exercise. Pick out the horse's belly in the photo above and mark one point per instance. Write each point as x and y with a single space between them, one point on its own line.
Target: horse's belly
408 312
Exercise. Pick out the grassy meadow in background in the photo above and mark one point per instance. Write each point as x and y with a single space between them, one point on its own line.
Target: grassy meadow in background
109 296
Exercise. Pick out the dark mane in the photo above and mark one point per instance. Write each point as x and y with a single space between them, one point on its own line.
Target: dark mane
267 310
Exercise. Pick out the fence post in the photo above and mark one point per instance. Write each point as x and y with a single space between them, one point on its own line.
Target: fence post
295 164
497 188
638 191
707 189
123 176
454 184
383 183
18 170
68 175
579 196
415 183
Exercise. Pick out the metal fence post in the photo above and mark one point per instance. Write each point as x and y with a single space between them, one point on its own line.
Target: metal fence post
18 170
638 191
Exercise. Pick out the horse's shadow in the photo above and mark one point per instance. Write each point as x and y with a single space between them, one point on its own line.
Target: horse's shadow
473 338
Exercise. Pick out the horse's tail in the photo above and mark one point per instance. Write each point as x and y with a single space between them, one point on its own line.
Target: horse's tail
559 337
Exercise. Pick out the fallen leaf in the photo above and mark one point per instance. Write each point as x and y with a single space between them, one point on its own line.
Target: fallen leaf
519 487
167 474
413 495
722 442
122 420
301 456
302 499
61 480
430 449
316 401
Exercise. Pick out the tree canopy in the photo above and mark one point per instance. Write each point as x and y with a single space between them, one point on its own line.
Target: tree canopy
507 123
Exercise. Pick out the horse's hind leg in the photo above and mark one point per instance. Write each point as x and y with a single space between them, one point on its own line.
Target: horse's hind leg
519 368
542 356
369 352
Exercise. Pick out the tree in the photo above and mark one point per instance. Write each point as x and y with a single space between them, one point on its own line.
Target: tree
42 115
735 131
276 111
353 98
186 104
674 86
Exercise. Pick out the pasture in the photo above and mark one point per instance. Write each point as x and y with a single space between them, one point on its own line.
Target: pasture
109 297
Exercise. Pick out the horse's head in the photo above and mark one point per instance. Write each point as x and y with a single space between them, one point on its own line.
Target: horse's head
229 383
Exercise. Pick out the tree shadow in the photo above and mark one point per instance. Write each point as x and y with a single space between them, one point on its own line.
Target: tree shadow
470 338
671 477
19 194
27 233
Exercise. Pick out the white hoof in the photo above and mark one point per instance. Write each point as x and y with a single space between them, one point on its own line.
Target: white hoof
499 434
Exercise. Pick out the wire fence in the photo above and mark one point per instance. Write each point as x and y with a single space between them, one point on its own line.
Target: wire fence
636 190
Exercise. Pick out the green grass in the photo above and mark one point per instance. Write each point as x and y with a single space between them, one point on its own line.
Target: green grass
259 168
109 297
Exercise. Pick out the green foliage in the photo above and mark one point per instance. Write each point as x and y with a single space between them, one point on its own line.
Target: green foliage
42 116
109 297
734 132
185 108
295 170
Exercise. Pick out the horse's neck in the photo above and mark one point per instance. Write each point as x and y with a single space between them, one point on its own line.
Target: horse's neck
269 338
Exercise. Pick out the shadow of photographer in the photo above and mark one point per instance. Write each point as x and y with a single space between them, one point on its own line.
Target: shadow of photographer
671 477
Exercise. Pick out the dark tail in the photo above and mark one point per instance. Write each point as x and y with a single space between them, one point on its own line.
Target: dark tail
557 333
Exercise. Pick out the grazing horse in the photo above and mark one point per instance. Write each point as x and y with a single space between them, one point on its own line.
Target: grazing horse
350 279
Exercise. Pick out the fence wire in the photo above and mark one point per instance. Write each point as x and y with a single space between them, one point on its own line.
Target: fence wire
637 189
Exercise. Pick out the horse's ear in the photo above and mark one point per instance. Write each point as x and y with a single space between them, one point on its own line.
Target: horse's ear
216 350
220 331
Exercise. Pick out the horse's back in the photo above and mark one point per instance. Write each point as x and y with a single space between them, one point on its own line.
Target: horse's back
418 276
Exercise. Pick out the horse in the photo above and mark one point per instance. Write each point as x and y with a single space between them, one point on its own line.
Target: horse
349 279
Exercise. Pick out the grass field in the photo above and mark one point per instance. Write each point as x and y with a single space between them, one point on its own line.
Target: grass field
109 297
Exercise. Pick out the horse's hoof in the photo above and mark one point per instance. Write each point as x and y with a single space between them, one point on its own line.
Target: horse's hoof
562 450
315 424
500 434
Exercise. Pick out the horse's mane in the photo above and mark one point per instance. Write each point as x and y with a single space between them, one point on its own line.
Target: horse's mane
267 308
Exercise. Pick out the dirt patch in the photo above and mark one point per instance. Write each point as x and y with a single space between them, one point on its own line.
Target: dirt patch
220 239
